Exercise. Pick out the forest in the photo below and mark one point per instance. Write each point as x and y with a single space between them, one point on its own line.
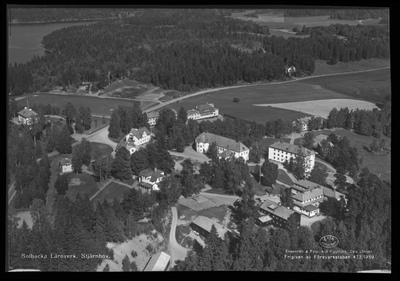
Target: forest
187 50
26 15
343 14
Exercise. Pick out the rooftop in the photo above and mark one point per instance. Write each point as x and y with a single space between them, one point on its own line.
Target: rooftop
150 173
310 208
305 184
206 108
206 224
138 133
27 113
264 219
64 161
292 148
225 153
222 142
308 194
158 262
279 211
192 112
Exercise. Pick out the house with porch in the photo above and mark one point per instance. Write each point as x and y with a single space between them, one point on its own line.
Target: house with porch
150 179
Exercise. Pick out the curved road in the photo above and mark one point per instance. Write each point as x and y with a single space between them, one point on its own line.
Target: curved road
177 251
250 85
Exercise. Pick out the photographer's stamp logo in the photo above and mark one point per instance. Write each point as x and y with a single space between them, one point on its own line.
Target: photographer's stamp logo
329 241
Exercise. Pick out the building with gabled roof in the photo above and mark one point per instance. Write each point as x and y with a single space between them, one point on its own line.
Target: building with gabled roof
158 262
283 151
238 149
135 138
65 165
27 116
203 111
152 117
150 179
203 225
279 214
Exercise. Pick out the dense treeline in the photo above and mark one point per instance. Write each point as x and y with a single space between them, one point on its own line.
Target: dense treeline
186 50
57 15
366 225
342 14
376 122
78 226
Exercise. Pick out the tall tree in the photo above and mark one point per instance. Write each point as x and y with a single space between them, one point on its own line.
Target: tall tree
61 184
269 172
64 141
182 115
308 140
70 112
121 166
114 129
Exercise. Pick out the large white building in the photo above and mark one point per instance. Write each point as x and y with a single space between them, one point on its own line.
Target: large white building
236 149
135 138
283 151
203 111
306 197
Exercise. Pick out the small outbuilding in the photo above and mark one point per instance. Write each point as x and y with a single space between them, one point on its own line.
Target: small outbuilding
158 262
65 165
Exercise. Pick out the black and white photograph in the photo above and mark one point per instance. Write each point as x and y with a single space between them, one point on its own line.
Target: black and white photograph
198 138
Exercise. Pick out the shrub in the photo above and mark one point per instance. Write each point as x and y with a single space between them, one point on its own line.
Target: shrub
110 253
149 248
236 100
155 235
134 254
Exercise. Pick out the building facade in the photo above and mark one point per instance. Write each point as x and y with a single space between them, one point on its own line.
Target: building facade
27 116
65 165
237 149
150 179
283 151
279 214
203 111
152 118
306 197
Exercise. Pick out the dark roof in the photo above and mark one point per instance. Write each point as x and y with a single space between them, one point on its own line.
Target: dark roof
205 108
206 224
310 208
65 161
292 148
222 142
153 174
146 184
27 113
138 133
279 211
306 184
192 112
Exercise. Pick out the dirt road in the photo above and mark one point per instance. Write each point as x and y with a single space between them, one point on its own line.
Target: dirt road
177 251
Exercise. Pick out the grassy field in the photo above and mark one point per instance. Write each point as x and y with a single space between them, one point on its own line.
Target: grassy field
121 84
321 67
283 177
377 164
111 192
86 185
100 106
215 212
371 86
102 147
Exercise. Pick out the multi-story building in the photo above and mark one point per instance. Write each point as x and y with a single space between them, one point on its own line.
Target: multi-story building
283 151
135 138
27 116
203 111
306 197
150 179
238 149
279 214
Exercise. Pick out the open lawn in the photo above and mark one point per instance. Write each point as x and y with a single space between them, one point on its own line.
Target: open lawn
121 84
283 177
322 107
321 67
371 86
103 148
377 164
82 184
111 192
259 94
99 106
215 212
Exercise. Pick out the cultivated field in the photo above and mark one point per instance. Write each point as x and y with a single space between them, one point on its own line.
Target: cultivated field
322 107
111 192
371 86
100 106
321 67
377 164
248 96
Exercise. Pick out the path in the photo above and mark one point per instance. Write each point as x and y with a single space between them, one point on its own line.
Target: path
177 251
250 85
333 170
